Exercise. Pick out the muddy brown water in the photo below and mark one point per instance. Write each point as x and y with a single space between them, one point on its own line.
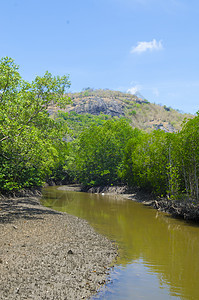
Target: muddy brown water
158 255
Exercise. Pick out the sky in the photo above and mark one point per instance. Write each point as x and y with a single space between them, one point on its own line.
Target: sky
150 47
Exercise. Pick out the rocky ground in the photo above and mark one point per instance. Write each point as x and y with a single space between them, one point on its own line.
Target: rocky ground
46 254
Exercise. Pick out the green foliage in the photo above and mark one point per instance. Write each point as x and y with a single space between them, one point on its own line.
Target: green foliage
109 152
148 159
165 163
127 171
30 141
77 123
99 152
189 153
132 112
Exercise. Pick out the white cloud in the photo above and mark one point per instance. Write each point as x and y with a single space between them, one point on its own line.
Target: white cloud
144 46
156 92
134 89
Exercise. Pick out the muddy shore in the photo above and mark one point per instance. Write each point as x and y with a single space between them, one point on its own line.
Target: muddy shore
45 254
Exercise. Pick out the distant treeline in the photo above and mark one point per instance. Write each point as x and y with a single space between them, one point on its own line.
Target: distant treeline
91 150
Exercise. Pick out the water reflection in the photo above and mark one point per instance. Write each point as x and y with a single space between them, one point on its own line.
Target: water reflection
158 255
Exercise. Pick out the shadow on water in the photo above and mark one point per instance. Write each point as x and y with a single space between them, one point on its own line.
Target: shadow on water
24 208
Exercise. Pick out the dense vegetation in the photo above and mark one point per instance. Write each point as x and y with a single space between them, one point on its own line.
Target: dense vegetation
112 152
91 150
31 143
77 123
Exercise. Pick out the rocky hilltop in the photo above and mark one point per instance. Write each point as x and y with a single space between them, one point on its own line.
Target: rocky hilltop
98 105
141 113
102 101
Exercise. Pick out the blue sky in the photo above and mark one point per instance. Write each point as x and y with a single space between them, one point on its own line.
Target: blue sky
145 46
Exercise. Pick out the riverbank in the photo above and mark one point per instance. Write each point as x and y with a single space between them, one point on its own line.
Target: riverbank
186 210
45 254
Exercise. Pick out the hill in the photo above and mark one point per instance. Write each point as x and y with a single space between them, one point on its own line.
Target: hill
141 113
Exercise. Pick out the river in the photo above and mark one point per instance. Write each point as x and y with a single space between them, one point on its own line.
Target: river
158 255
